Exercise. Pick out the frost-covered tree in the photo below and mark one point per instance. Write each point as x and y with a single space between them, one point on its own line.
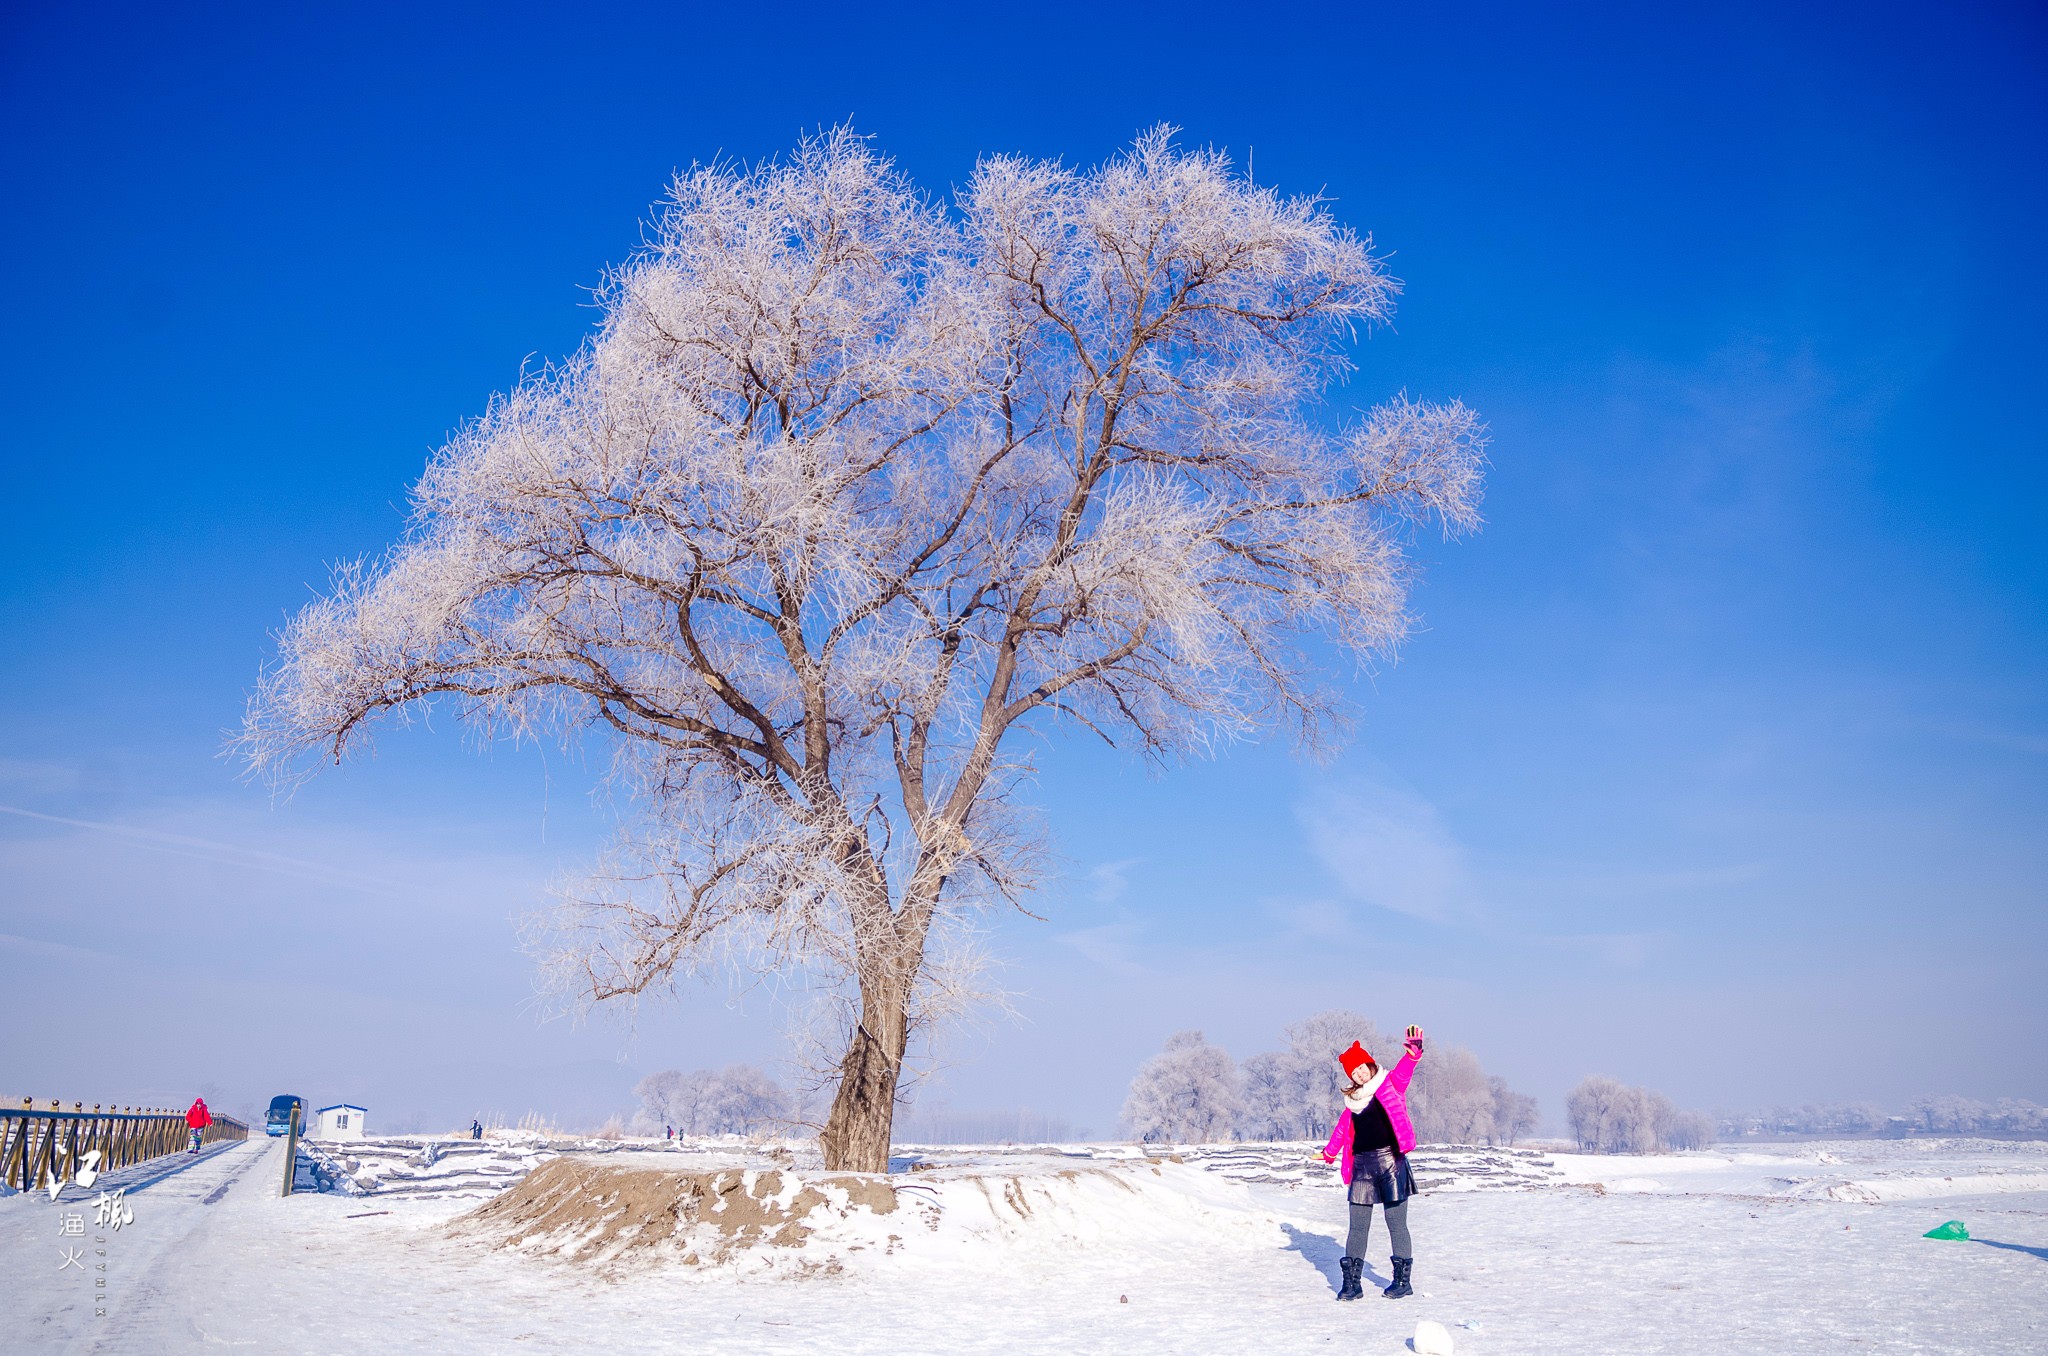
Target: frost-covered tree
1603 1114
1689 1130
1453 1101
1607 1116
1514 1113
1296 1093
1935 1114
1278 1098
1316 1041
736 1100
922 1124
1812 1118
851 497
1836 1118
1948 1114
2017 1116
1449 1100
1189 1093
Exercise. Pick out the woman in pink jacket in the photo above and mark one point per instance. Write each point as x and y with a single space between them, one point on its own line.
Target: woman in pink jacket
1373 1137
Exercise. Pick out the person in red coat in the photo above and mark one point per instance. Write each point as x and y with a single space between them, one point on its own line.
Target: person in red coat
196 1120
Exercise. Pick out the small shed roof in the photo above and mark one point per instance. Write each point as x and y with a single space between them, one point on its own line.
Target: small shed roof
341 1106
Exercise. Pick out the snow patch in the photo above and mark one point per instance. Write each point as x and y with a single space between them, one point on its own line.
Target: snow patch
1634 1184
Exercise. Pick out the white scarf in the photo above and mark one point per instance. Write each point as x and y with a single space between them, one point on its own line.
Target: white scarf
1357 1102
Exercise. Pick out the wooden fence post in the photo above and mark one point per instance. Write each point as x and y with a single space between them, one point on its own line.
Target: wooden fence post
14 1164
291 1153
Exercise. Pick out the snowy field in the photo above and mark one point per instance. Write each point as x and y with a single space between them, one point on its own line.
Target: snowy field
524 1246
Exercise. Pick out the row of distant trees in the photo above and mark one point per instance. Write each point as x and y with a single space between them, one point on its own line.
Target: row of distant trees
1610 1117
739 1099
1942 1115
922 1124
1193 1092
742 1099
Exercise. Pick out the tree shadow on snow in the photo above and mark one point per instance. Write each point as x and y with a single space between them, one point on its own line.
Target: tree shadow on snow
2041 1253
1321 1252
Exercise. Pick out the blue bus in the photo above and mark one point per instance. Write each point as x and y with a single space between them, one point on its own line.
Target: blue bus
278 1120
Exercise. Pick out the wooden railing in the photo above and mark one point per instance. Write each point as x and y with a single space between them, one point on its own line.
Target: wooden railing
37 1147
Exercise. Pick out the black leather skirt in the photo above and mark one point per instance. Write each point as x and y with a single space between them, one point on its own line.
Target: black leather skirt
1381 1178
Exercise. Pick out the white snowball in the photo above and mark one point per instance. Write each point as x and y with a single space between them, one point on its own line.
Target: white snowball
1431 1339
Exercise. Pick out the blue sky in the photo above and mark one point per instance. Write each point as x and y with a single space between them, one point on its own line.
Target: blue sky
1720 763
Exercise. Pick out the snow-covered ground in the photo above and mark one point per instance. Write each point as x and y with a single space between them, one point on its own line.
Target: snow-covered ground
720 1248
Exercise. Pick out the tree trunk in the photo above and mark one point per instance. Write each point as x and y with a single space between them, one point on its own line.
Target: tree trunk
856 1135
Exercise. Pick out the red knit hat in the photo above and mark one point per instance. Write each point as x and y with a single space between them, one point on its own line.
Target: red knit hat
1354 1057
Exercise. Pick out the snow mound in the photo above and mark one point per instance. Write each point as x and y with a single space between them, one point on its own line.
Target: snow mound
1883 1188
1635 1184
778 1221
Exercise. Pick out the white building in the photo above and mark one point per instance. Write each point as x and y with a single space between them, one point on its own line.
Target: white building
341 1121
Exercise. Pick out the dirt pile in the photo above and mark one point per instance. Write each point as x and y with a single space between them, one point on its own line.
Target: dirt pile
599 1213
771 1220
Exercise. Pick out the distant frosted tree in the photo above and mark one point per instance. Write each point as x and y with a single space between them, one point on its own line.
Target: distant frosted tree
1948 1114
2016 1115
1626 1119
736 1100
1833 1119
1449 1100
922 1124
1690 1130
1608 1116
1593 1110
1452 1101
1663 1119
1939 1115
857 496
1189 1093
1280 1098
1514 1113
1316 1042
1297 1093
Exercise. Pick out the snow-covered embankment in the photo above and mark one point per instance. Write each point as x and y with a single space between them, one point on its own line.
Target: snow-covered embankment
766 1220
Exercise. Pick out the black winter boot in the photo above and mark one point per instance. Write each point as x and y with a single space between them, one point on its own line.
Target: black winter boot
1404 1267
1353 1269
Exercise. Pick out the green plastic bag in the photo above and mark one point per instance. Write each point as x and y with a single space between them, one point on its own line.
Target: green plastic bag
1953 1229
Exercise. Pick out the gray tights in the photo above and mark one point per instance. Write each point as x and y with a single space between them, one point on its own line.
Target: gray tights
1397 1230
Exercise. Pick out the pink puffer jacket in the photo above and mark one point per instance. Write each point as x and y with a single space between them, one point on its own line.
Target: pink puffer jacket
1393 1095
